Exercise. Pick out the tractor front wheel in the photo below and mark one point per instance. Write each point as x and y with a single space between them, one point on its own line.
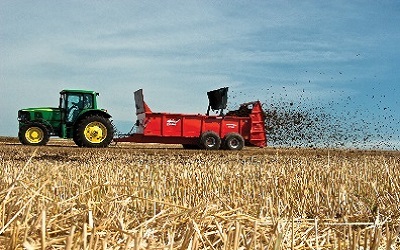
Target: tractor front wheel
94 132
34 134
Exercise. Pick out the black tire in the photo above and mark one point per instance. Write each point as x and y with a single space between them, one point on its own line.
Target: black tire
34 134
210 140
233 141
75 138
94 132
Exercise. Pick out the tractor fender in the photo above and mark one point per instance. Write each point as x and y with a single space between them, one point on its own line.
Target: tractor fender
45 123
87 113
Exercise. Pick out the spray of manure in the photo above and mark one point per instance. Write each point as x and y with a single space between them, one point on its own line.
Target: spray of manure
318 125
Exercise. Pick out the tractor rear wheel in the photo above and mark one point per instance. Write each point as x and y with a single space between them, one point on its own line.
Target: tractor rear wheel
76 139
34 134
94 132
233 141
210 140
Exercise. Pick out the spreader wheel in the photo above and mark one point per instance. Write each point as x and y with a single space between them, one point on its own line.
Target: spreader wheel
34 134
233 141
94 132
210 140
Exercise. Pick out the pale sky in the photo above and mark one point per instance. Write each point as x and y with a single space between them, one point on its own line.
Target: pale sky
341 54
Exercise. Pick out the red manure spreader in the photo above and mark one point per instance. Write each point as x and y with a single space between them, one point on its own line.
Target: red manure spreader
231 131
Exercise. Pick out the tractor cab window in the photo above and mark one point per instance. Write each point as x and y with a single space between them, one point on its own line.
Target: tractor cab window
74 106
87 101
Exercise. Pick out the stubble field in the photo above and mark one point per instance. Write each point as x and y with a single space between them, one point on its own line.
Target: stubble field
131 196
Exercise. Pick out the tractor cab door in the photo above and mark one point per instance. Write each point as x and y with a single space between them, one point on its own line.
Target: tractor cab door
74 105
71 105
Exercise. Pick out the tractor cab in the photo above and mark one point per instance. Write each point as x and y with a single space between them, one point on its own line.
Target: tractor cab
73 102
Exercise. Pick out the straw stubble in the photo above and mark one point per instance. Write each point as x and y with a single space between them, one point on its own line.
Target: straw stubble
151 198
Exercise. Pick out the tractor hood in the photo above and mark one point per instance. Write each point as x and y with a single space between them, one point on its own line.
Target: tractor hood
40 113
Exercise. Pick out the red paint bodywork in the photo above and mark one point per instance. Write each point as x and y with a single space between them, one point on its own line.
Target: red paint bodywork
171 128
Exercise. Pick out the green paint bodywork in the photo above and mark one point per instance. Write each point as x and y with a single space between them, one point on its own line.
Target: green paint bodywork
55 119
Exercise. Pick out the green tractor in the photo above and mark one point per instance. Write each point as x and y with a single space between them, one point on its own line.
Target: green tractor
77 117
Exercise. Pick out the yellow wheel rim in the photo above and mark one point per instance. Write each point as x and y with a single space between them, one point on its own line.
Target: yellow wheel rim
95 132
34 135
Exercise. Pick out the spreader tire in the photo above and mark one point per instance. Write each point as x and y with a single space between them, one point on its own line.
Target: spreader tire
94 132
210 140
233 141
34 134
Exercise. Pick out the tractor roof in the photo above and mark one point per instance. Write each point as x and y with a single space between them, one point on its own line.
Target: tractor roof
78 91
